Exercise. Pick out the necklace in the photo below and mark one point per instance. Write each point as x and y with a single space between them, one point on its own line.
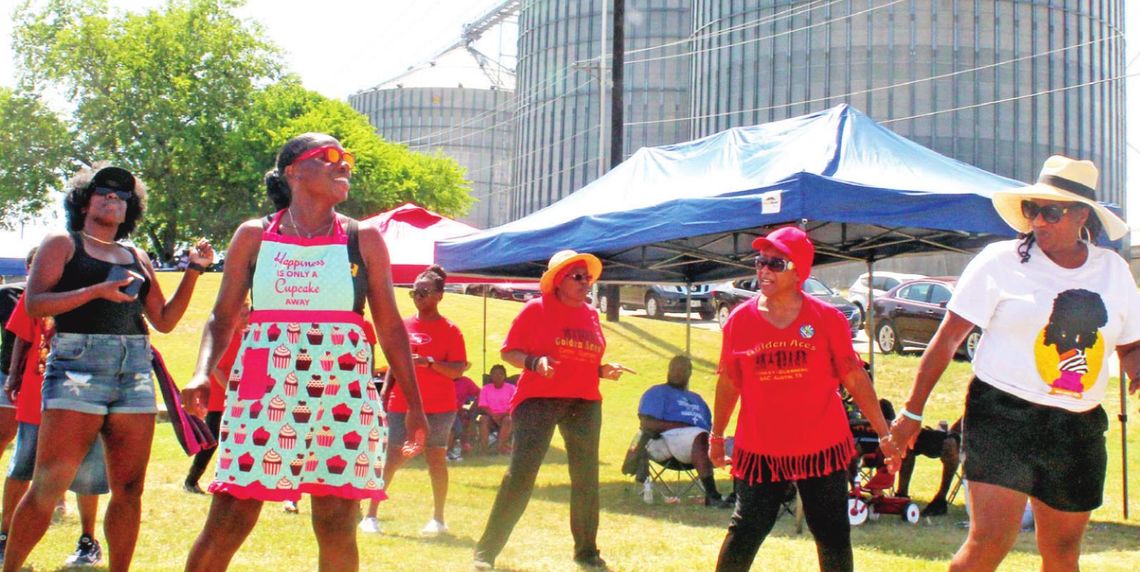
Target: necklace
99 240
322 231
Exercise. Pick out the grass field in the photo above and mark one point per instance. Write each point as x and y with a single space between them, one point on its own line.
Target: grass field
633 535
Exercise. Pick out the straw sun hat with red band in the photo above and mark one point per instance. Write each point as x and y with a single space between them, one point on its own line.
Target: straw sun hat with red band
1061 179
563 260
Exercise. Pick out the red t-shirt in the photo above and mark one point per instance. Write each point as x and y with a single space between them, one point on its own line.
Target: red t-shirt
38 333
217 400
791 416
442 340
571 336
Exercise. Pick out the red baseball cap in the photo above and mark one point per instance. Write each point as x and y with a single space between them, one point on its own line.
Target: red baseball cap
793 243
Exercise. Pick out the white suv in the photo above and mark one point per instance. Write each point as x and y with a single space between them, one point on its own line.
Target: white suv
884 281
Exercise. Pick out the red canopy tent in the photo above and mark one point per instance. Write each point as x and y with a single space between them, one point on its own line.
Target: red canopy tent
411 233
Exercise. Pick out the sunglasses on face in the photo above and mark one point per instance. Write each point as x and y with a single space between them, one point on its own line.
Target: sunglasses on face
580 277
107 192
774 264
328 154
1051 213
420 293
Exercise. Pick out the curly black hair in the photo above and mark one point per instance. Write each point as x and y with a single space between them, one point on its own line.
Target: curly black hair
1092 226
276 187
436 274
79 190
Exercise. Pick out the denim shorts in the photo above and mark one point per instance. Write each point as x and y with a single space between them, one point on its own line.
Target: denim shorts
439 430
4 401
91 479
99 374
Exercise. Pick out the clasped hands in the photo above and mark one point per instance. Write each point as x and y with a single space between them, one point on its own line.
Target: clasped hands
898 442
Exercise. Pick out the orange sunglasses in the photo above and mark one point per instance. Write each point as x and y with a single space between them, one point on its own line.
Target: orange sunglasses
328 154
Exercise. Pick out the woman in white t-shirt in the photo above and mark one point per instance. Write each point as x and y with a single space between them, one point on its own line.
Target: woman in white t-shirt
1053 308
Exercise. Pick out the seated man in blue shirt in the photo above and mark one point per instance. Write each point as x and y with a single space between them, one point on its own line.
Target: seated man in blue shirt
680 419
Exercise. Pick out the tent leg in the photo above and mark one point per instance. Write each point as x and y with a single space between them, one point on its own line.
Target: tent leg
868 316
688 319
485 328
1124 436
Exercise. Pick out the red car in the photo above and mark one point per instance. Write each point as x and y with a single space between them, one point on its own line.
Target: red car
518 291
909 314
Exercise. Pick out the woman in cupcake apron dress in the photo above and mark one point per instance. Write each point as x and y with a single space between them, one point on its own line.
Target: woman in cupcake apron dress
302 415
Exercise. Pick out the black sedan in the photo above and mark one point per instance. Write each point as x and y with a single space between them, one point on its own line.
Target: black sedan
729 295
909 314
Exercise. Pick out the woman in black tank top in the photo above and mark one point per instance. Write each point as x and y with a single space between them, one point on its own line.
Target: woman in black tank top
98 377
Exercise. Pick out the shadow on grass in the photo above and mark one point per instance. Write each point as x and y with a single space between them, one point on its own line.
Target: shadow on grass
935 538
642 338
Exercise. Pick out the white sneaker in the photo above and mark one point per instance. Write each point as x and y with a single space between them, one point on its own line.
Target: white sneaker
434 528
370 525
647 492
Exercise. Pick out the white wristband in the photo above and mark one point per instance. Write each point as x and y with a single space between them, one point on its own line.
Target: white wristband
909 415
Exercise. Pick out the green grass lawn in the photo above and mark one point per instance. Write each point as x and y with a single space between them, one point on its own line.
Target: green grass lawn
633 536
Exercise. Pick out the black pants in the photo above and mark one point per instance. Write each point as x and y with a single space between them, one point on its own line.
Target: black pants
758 505
580 423
198 466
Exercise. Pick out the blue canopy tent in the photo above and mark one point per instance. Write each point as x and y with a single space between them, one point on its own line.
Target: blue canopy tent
687 213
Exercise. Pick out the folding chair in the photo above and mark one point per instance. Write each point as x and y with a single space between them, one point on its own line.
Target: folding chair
674 478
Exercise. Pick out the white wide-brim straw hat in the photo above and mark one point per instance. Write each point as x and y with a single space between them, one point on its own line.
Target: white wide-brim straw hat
1061 179
564 259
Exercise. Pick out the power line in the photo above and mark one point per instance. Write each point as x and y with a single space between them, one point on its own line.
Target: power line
895 85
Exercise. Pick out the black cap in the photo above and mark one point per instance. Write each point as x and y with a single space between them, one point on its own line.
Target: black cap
114 178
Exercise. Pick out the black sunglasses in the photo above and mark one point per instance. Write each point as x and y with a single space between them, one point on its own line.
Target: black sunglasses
420 293
579 277
1051 213
774 264
106 192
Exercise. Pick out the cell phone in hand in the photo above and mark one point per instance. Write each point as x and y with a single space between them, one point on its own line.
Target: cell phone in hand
120 272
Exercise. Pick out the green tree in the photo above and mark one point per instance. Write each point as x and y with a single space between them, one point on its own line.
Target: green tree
37 151
193 100
156 92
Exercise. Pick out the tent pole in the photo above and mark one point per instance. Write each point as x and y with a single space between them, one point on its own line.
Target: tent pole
1123 416
485 289
868 315
688 318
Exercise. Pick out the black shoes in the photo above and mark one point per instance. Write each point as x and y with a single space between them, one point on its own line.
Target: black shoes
937 507
193 488
719 501
593 562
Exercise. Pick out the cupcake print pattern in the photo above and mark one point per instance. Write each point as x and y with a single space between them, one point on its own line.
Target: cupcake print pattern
343 437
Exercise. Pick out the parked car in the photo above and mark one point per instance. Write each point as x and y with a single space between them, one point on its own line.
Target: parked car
657 299
859 293
517 291
727 296
909 314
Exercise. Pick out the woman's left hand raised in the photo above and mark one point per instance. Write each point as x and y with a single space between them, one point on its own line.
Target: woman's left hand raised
613 371
202 253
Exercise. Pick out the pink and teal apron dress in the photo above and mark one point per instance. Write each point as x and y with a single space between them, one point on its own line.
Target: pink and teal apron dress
302 414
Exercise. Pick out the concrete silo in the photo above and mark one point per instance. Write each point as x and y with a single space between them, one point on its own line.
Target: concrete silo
559 143
1000 84
474 126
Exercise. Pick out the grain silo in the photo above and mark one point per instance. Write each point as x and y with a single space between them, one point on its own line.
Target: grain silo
560 145
459 102
999 84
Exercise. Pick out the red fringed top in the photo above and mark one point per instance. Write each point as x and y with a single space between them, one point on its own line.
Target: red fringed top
791 423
